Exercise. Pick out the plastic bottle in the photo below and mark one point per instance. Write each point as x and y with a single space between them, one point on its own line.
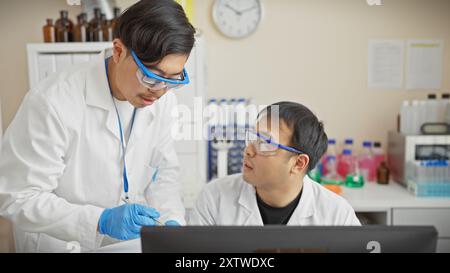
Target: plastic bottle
366 162
405 118
432 109
241 121
331 152
315 174
348 144
49 32
445 102
422 116
64 28
332 176
212 113
415 117
346 163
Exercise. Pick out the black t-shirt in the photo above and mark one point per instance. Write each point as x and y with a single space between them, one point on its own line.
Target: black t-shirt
277 216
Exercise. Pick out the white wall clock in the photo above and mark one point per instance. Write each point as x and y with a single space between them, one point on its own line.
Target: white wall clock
237 18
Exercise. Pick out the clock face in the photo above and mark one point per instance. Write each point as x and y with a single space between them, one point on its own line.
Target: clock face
237 18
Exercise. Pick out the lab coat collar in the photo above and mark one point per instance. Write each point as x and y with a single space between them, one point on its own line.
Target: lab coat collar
304 209
98 95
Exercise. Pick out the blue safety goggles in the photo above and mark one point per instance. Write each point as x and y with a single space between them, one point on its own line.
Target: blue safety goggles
156 82
265 145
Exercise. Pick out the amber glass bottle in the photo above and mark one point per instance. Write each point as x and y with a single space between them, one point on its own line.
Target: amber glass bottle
80 32
64 28
95 27
49 32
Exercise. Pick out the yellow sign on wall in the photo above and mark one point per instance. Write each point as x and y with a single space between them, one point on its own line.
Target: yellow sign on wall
188 6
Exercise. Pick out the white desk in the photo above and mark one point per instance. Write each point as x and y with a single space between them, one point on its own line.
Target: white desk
392 204
132 246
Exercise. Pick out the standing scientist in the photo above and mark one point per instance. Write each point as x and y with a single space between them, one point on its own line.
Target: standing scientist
89 156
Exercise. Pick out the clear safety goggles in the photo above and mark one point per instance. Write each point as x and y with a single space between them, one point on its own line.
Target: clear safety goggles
156 82
264 143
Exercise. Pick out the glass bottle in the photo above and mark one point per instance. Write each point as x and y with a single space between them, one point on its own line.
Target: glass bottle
49 32
95 26
104 28
113 22
383 173
64 28
80 32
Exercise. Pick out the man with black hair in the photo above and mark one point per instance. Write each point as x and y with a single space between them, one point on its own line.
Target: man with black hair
89 158
274 188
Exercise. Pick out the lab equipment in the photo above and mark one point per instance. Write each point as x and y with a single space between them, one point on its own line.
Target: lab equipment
414 114
126 221
411 148
428 178
228 122
222 146
289 239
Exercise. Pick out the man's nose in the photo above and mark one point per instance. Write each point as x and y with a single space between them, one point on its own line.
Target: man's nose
250 150
158 93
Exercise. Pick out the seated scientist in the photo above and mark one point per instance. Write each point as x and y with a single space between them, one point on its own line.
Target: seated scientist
274 188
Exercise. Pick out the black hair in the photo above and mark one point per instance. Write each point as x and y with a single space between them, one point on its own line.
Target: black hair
308 132
154 29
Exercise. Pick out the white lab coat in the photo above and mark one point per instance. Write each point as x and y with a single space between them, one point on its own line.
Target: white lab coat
232 201
60 162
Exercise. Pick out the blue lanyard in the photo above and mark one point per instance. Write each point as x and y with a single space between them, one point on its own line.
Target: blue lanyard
125 176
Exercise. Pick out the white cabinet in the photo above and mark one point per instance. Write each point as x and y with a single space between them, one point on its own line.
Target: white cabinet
437 217
46 59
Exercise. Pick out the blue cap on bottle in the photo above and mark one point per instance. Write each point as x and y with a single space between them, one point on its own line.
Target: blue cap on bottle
347 152
332 141
349 141
367 144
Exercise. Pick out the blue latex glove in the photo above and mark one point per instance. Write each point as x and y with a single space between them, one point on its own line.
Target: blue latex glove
171 223
125 222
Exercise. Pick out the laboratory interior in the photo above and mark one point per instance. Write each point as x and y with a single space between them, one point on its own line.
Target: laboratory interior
321 115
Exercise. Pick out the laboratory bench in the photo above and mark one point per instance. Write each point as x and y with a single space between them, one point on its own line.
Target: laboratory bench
392 204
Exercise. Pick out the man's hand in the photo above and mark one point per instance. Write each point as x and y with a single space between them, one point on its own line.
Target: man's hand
125 222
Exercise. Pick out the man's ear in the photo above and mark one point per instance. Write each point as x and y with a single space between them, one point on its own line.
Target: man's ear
301 164
119 50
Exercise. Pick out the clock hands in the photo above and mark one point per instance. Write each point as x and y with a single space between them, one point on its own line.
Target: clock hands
240 12
247 10
234 10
